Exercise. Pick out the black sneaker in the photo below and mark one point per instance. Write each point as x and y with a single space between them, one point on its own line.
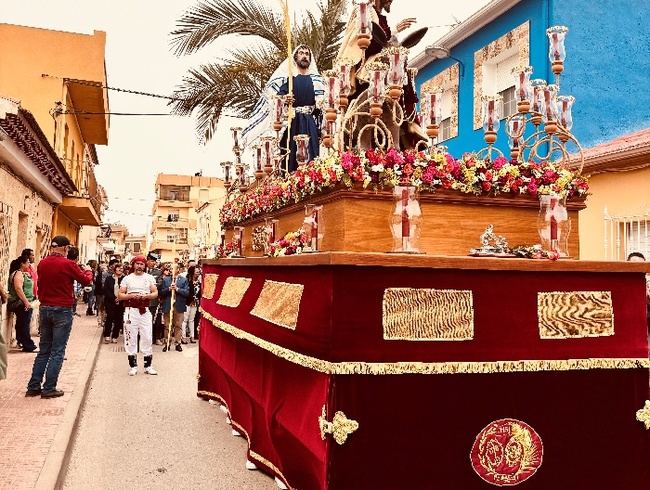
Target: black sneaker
179 347
36 392
52 394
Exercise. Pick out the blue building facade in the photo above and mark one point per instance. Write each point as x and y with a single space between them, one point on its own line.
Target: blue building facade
607 67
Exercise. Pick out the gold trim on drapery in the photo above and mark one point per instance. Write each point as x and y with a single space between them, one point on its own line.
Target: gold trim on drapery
415 367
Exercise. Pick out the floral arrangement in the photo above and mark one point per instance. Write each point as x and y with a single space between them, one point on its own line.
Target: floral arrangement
425 171
294 242
226 250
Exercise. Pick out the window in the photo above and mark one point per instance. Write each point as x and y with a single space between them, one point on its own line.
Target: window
445 129
626 234
508 103
175 192
182 239
173 215
171 237
136 247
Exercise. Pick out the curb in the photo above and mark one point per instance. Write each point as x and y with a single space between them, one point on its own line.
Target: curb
56 462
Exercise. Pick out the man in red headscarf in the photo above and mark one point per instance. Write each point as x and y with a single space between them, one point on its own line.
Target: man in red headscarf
136 291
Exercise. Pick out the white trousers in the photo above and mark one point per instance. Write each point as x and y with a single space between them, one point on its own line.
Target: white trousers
188 320
134 324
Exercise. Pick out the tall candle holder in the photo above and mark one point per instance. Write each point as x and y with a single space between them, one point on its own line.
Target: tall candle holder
556 49
331 94
396 73
328 131
516 126
564 106
345 83
226 172
271 230
238 241
364 37
537 86
267 147
277 108
550 109
432 112
259 172
302 149
405 220
313 227
523 88
376 80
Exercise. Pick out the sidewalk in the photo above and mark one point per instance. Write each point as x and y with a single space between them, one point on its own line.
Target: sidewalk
36 432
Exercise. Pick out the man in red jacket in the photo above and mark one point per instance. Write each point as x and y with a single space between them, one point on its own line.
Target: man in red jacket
56 276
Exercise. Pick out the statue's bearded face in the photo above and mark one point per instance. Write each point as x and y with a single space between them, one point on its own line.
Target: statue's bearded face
303 57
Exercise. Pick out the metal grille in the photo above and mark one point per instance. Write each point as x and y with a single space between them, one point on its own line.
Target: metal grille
5 239
626 234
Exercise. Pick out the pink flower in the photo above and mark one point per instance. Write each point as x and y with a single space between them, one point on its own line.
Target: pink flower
499 163
532 188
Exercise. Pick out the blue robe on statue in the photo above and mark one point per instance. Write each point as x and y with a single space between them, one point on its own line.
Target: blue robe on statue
302 123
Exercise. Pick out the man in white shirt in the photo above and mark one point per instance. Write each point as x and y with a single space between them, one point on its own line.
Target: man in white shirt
137 290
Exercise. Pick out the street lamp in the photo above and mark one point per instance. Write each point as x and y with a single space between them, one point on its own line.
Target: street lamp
441 53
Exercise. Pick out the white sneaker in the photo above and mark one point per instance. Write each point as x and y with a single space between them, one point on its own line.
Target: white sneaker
133 371
150 370
114 341
107 340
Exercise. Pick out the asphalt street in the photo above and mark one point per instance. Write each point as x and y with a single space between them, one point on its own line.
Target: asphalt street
153 432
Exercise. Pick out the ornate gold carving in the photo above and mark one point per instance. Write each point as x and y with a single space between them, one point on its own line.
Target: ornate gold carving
575 314
259 238
427 314
209 285
643 415
233 291
252 454
414 367
340 426
518 37
448 80
279 303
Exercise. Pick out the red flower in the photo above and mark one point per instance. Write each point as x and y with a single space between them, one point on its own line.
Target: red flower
498 163
532 188
486 186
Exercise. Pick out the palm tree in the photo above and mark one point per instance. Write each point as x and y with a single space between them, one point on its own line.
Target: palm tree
236 83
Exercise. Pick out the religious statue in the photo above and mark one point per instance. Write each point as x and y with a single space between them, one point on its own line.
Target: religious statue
408 133
491 244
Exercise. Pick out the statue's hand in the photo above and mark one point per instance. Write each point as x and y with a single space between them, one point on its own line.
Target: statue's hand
405 24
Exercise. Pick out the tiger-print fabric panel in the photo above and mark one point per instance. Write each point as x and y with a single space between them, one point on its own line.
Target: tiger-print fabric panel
279 303
575 314
428 314
209 285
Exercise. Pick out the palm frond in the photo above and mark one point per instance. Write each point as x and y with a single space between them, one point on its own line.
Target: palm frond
209 20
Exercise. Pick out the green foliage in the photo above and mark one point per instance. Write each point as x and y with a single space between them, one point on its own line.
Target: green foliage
236 83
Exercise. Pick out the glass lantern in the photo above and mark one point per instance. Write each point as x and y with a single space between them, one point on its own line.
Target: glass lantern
238 240
396 72
376 81
556 36
405 220
313 227
331 89
516 127
523 88
278 111
271 230
235 137
267 154
302 148
538 85
550 103
565 103
345 85
553 224
226 171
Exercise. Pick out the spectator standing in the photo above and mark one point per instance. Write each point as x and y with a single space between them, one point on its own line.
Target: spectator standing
56 274
21 293
137 290
165 305
153 270
192 301
90 290
180 307
114 308
77 291
98 282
